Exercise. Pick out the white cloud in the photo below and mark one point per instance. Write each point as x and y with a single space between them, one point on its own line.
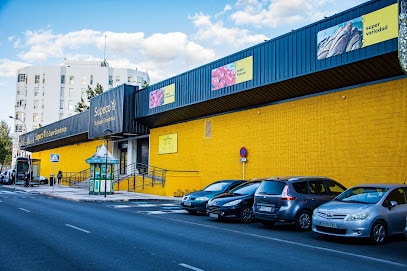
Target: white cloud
8 68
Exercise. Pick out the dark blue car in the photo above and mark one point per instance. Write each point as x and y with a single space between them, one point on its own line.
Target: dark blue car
195 202
237 203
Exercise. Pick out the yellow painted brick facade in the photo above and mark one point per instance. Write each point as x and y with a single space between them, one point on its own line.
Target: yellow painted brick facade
354 136
71 158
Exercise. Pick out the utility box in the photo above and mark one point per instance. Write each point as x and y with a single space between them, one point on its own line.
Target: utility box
101 172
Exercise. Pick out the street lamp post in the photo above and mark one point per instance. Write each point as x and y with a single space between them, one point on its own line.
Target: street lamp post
107 132
29 164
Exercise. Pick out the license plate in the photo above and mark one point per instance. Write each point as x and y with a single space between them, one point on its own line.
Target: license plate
213 215
266 209
328 224
187 203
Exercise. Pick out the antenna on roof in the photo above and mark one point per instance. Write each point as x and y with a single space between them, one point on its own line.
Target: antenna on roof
104 52
104 63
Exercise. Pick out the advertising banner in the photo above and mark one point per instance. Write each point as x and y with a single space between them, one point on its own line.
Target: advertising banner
233 73
366 30
162 96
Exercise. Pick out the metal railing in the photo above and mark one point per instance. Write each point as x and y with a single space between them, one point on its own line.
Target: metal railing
140 175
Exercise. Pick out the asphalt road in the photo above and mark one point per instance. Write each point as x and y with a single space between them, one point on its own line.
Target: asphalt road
43 233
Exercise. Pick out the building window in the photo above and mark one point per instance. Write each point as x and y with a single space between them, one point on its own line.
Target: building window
83 81
91 79
21 78
139 79
37 79
61 116
43 78
61 104
117 78
110 81
42 106
129 79
62 92
36 103
70 105
35 117
71 80
36 91
62 79
71 92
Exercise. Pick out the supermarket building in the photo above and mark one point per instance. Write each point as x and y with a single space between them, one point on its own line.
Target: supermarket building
329 99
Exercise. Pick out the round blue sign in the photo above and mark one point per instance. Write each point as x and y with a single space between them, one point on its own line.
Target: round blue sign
243 152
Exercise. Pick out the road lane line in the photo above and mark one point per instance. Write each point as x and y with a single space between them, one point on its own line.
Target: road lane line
190 267
297 244
25 210
77 228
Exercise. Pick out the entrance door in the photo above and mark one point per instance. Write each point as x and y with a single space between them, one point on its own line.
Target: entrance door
142 153
123 158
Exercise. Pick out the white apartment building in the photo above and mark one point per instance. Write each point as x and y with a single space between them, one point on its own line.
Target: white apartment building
50 93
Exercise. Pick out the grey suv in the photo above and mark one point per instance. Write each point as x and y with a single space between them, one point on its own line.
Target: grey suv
292 199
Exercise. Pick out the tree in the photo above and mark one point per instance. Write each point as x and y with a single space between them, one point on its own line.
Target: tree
5 144
90 93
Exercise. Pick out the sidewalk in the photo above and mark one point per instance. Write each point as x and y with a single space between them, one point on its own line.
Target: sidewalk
81 194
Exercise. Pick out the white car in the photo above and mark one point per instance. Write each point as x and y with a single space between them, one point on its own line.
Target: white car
375 211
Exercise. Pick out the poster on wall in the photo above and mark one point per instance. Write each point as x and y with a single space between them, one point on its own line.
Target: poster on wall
232 73
162 96
366 30
168 143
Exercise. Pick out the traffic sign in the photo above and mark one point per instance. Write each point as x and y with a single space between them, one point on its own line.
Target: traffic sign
54 157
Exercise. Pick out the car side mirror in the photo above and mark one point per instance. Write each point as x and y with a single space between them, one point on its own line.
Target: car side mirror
392 204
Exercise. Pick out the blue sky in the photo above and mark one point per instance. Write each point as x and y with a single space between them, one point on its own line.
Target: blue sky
163 37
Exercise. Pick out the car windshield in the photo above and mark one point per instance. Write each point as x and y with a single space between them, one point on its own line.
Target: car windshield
245 189
216 187
368 195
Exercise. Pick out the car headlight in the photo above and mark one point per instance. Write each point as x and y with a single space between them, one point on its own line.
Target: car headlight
202 199
358 216
233 203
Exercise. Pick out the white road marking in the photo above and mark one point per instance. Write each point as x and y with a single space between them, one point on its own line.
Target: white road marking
77 228
297 244
25 210
190 267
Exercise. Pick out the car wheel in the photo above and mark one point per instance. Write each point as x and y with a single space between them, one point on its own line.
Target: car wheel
378 233
246 215
303 221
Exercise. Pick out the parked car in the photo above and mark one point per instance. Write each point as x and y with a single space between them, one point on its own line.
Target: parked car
196 201
405 229
6 177
374 211
292 199
40 180
237 203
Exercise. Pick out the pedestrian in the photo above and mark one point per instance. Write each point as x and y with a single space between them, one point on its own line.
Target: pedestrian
59 177
26 180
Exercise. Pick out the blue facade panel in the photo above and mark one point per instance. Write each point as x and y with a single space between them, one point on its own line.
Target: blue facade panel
286 57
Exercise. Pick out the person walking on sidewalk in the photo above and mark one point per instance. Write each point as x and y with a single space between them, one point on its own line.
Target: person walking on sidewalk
26 180
59 177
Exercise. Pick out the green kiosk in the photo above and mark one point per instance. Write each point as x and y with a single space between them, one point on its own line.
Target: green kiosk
101 172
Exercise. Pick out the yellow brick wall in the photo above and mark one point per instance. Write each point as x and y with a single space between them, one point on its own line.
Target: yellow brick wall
71 158
354 136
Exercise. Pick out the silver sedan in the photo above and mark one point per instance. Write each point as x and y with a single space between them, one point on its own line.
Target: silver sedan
375 211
